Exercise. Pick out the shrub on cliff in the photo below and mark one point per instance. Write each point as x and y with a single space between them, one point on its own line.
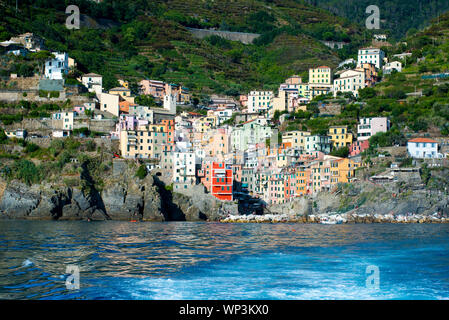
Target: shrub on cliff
141 172
3 136
27 172
31 147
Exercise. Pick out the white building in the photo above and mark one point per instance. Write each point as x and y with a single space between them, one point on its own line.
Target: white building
57 67
368 127
423 148
318 143
142 112
60 133
63 120
350 81
251 132
183 169
223 115
89 105
19 134
389 67
110 103
170 103
371 55
93 82
347 62
259 101
380 37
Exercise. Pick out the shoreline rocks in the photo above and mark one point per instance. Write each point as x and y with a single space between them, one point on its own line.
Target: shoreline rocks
345 218
130 199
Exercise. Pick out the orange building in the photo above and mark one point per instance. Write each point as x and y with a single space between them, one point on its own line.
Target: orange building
303 185
124 106
217 179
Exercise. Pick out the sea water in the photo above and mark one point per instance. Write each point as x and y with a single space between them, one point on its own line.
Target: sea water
188 260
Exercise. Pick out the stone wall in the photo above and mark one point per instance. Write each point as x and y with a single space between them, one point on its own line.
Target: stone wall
32 95
243 37
31 125
103 125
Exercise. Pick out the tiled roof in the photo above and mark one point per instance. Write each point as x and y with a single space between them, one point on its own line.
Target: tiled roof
91 75
422 140
119 89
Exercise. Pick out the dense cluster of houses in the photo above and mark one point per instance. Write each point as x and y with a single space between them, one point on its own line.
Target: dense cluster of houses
243 155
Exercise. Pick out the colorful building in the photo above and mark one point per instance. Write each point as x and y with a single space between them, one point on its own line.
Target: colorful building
218 179
358 147
148 141
368 127
259 101
340 136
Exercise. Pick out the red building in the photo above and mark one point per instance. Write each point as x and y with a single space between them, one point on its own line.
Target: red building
217 179
358 147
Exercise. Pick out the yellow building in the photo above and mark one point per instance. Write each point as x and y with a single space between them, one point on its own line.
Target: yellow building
340 136
280 103
320 81
303 90
342 170
147 141
346 169
204 124
321 75
302 181
123 92
296 138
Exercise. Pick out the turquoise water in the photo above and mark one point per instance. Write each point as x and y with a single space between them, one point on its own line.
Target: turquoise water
184 260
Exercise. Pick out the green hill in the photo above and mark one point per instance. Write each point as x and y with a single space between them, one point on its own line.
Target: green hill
398 17
149 39
415 100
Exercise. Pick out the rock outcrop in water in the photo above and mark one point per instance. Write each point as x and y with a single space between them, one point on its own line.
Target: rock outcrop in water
127 198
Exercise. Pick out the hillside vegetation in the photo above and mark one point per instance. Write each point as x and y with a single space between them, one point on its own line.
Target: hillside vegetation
398 17
149 39
415 105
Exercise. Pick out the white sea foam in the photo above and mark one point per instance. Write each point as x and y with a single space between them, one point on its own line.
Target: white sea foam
27 263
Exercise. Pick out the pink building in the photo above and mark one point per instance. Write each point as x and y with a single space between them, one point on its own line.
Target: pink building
281 187
243 100
218 144
368 127
358 147
154 88
79 109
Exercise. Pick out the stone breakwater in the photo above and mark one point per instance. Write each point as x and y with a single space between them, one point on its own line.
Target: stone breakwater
336 218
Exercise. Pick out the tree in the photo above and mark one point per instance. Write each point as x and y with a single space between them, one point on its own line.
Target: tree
109 81
146 100
27 171
341 152
41 57
277 114
367 93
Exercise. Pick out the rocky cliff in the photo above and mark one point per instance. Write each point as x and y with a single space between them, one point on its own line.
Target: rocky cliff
126 199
